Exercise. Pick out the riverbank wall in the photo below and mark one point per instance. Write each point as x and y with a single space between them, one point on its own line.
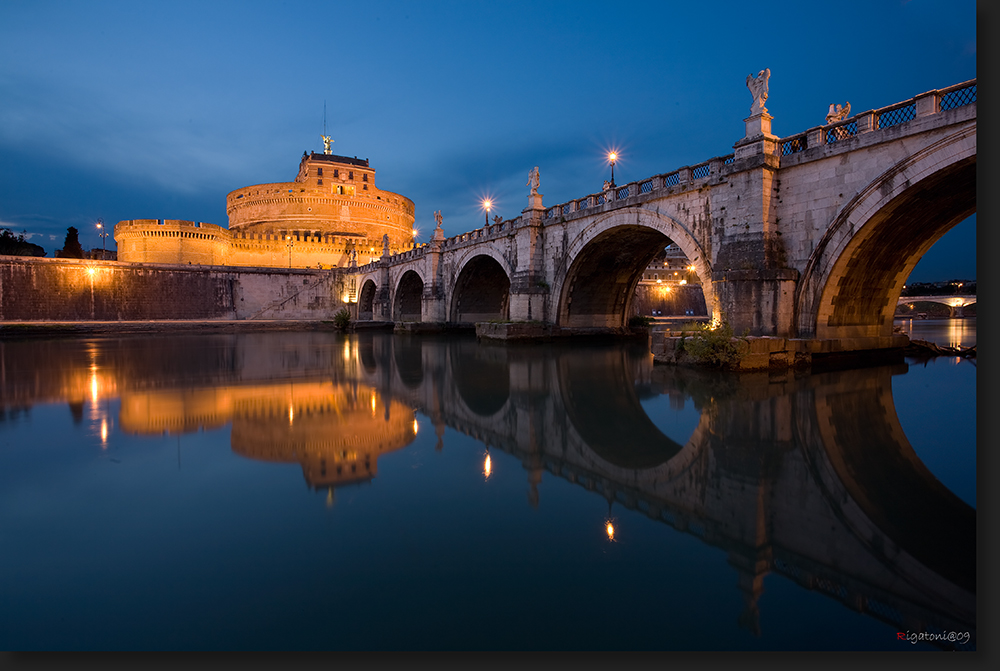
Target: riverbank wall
33 289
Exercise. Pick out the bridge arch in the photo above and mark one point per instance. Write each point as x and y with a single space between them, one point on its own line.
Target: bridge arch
406 307
366 301
853 280
606 261
482 290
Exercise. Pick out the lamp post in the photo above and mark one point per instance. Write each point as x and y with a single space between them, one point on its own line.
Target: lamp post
612 157
104 239
487 205
290 244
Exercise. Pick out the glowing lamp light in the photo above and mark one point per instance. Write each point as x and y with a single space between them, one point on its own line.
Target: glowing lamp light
691 268
487 206
416 426
91 270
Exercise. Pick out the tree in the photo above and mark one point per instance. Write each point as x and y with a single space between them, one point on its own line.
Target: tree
71 248
16 245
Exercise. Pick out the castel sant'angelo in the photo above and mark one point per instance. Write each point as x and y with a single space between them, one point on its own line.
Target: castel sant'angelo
332 215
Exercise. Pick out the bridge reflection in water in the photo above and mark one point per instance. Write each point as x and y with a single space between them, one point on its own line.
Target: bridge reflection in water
810 477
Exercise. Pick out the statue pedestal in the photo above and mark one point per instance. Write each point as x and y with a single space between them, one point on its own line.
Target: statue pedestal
758 124
759 139
534 202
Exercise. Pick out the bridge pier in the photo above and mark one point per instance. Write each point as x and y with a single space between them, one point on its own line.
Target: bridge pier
759 301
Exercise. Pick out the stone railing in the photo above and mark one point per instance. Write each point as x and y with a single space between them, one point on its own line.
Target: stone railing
925 104
490 232
680 177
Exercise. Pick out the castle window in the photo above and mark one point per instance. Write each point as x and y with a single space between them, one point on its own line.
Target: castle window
365 187
319 172
340 189
336 173
364 177
350 174
319 182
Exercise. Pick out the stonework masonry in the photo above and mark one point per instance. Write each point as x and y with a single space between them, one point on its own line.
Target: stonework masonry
33 289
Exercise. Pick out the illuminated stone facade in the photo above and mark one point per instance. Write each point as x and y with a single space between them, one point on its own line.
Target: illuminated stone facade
330 213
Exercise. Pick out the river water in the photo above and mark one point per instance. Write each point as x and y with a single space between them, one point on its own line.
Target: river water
301 491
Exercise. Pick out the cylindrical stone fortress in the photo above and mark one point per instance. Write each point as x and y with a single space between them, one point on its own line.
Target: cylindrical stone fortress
332 211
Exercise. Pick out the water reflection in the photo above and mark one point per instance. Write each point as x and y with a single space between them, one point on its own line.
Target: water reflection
946 332
807 476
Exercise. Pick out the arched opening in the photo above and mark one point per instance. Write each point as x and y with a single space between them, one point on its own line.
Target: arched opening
860 292
408 355
482 376
601 401
406 307
366 303
601 283
482 292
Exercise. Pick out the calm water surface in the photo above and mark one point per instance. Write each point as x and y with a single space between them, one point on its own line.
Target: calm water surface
378 492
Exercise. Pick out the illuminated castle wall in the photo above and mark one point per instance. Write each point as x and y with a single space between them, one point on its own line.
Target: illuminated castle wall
331 211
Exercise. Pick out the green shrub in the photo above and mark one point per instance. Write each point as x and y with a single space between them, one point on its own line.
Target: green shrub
342 319
714 346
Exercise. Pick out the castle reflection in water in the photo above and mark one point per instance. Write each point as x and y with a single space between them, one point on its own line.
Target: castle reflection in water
809 476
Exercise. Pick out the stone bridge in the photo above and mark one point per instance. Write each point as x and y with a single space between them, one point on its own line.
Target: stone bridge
787 475
957 304
807 236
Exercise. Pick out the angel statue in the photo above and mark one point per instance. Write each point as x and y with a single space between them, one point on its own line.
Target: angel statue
758 89
497 219
533 181
838 113
438 218
326 143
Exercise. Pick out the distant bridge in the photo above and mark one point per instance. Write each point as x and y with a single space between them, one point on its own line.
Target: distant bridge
956 303
810 236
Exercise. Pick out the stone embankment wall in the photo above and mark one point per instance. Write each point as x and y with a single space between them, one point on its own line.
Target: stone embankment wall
34 289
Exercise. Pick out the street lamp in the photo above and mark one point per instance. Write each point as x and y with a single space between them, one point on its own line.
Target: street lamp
290 244
104 239
487 204
613 156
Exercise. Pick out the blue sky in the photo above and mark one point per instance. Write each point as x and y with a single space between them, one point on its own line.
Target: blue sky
133 110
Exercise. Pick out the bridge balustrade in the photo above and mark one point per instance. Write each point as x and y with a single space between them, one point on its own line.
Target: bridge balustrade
940 100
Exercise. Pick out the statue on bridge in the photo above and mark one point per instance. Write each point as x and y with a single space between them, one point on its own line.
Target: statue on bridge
385 244
758 89
838 114
533 181
497 219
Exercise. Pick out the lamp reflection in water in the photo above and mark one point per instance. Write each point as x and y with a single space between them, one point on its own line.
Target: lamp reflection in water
487 466
609 523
